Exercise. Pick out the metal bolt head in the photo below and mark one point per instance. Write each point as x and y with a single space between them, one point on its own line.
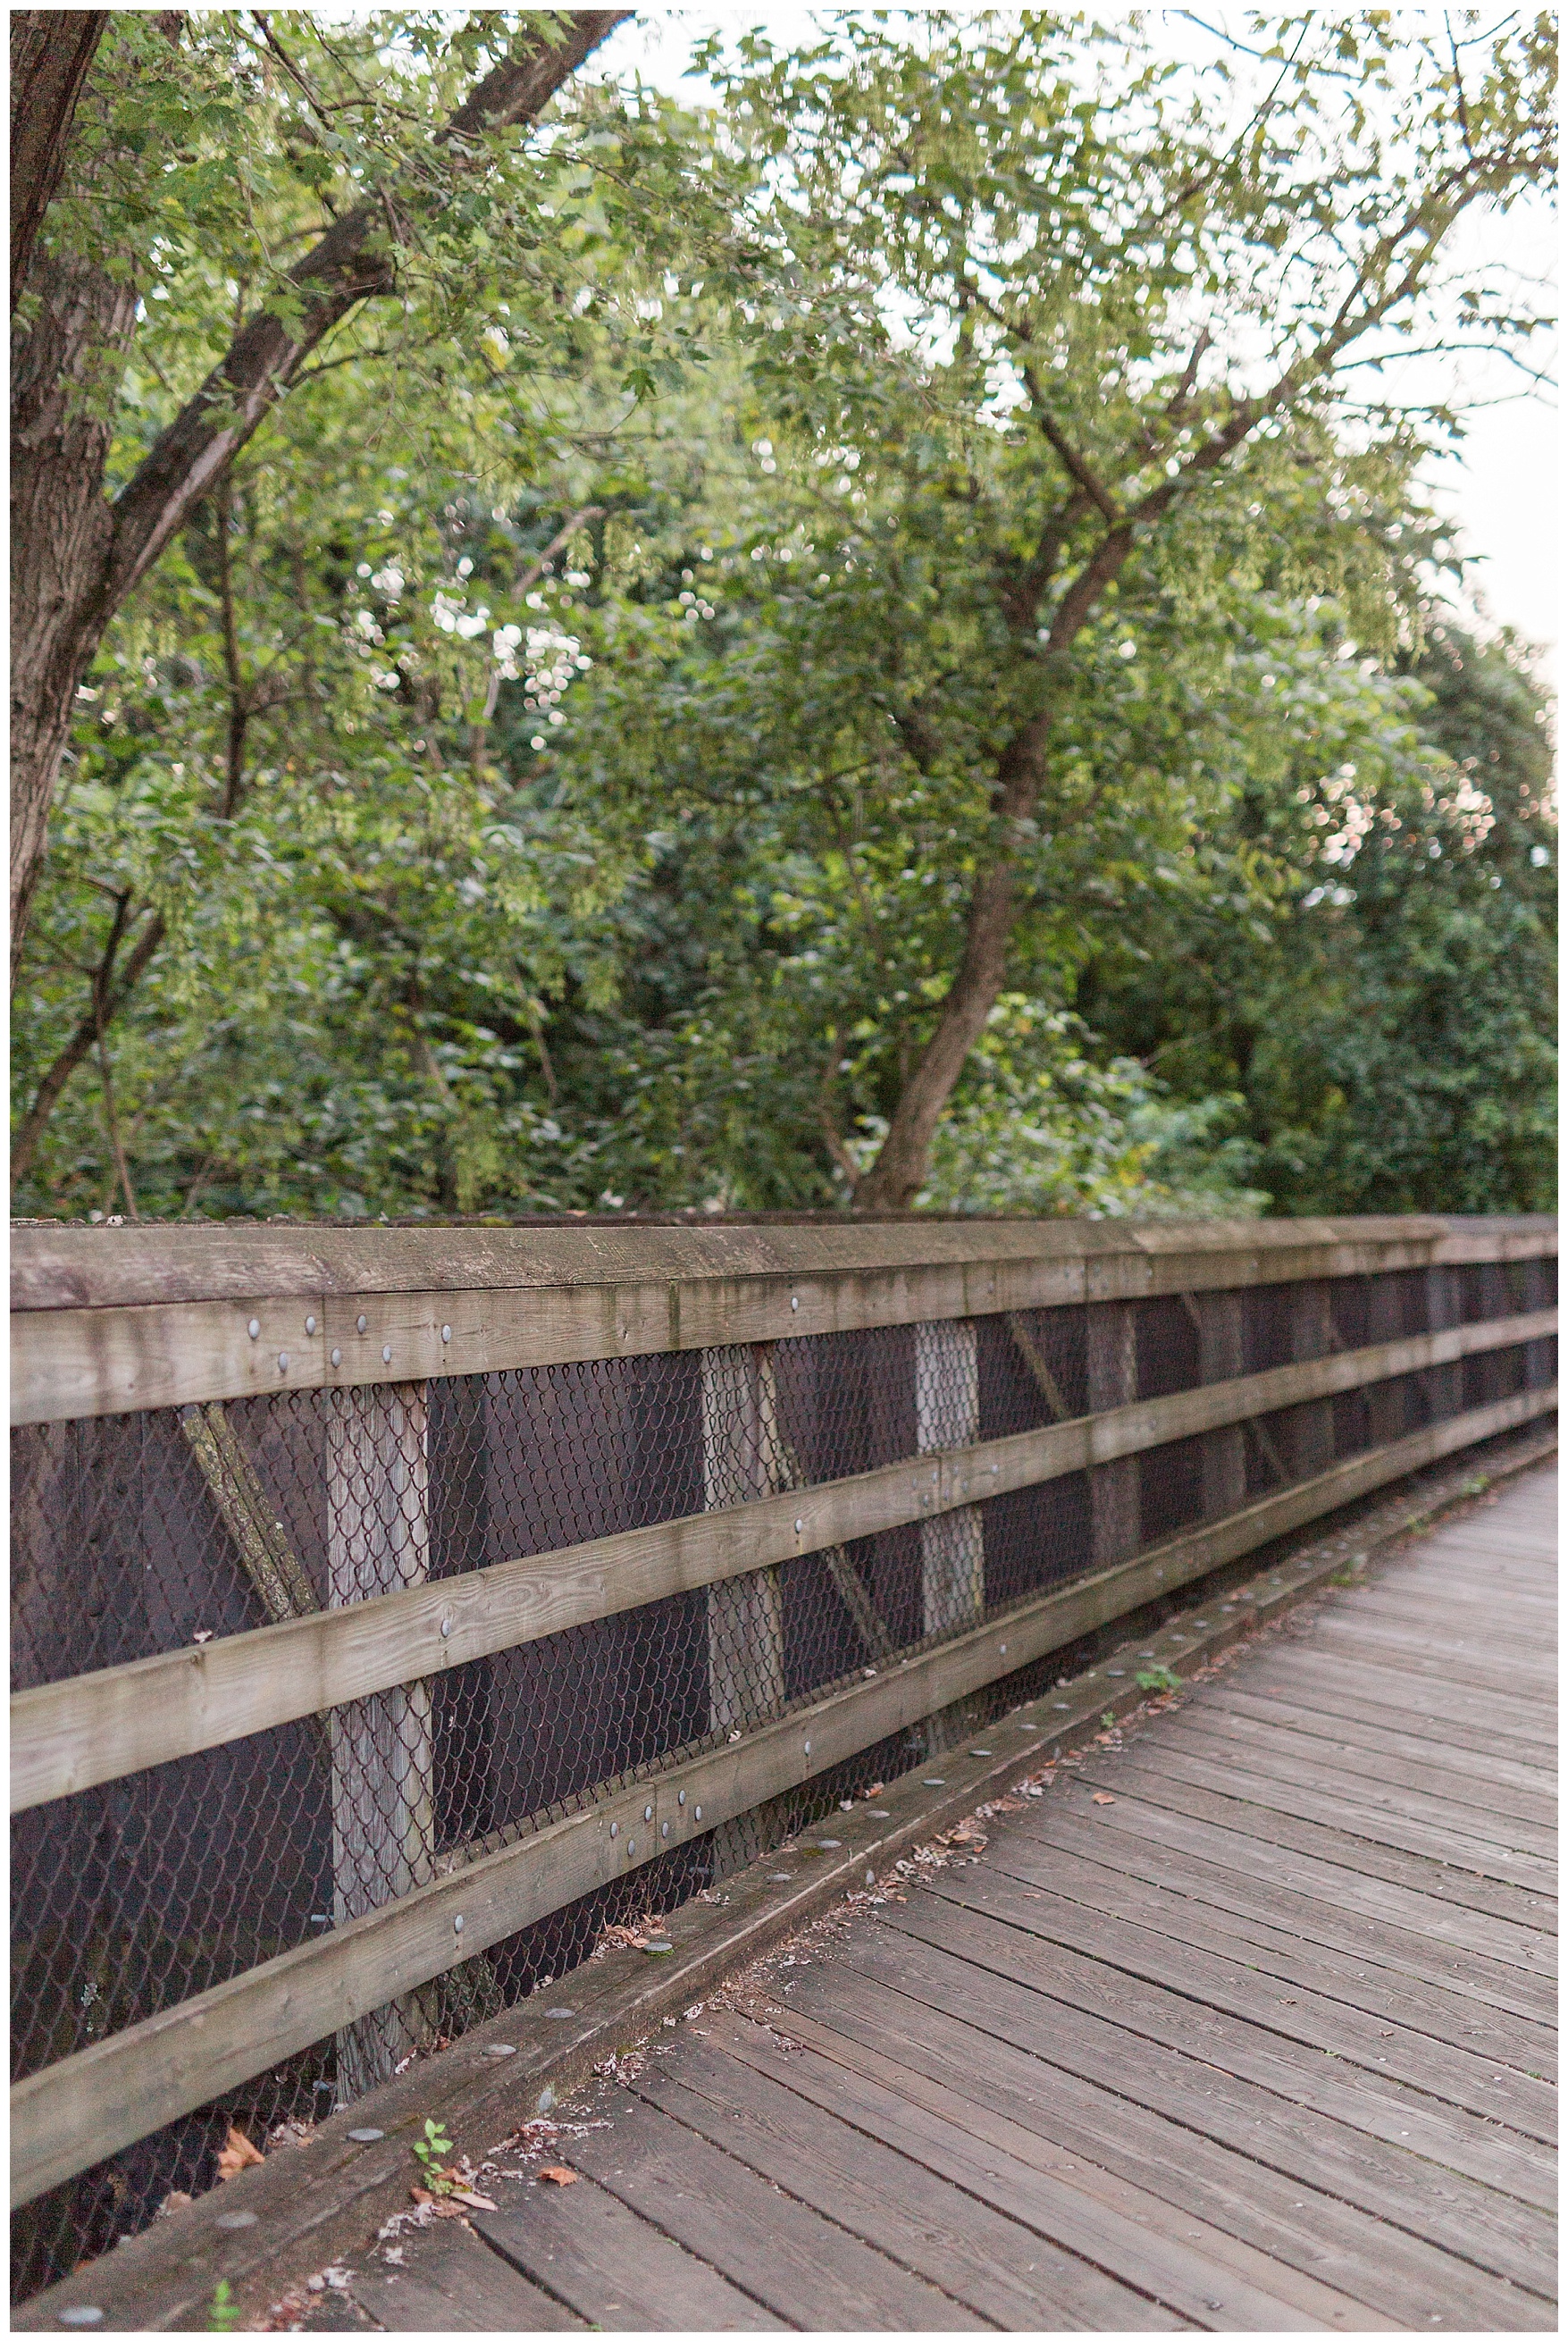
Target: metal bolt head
697 1812
794 1301
360 1324
386 1354
81 2313
808 1747
614 1829
446 1333
238 2219
647 1813
338 1358
457 1925
283 1362
310 1325
681 1799
445 1628
630 1846
368 2134
798 1526
663 1829
254 1330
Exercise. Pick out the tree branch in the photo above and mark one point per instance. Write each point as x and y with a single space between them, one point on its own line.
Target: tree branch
105 1006
349 264
1099 495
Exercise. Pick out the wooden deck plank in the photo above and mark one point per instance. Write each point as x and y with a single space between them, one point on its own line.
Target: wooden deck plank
1394 1691
807 2270
1002 2098
1425 1660
1487 1863
1477 1656
1088 2085
1516 1964
1532 1763
988 2244
1456 1605
616 2271
1482 1766
1444 1655
1482 1913
1374 2129
1335 1996
1423 1780
1493 1816
1302 2018
881 2097
1237 1895
1489 1868
460 2287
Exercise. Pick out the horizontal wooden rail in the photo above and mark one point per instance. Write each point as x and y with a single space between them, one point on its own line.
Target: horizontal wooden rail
68 1735
88 2106
110 1322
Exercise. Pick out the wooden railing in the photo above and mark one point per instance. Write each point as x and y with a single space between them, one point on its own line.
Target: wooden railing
109 1323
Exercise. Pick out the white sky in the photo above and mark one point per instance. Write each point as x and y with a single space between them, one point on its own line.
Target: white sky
1502 487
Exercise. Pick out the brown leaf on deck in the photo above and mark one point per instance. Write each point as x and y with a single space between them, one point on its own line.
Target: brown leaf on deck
559 2174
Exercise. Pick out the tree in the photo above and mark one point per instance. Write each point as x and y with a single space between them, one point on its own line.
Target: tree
1381 1009
109 108
1113 318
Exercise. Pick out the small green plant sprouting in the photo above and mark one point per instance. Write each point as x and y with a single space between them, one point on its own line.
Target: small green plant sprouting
1108 1719
224 2310
431 2152
1158 1679
1478 1486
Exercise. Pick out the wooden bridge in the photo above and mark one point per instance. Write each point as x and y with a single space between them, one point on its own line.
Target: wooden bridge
1246 2020
1205 1982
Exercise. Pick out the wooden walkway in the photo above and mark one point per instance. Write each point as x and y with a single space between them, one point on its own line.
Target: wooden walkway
1244 2021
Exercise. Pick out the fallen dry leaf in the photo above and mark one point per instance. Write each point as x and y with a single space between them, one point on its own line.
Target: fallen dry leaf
237 2153
1104 1797
559 2174
472 2199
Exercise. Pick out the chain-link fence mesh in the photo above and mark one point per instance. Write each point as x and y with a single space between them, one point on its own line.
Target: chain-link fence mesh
141 1534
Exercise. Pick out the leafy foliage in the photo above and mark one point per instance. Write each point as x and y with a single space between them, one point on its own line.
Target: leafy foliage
555 767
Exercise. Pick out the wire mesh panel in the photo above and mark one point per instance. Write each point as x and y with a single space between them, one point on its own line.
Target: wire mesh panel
143 1534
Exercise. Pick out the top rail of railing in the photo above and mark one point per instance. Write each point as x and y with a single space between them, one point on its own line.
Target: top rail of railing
108 1321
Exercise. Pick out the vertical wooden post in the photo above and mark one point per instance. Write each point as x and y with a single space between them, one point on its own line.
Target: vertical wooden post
381 1749
952 1544
1219 1360
1386 1419
742 1458
1113 1344
1312 1336
1443 1387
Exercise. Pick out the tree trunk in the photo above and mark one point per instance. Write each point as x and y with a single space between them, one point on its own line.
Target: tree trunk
61 532
51 50
894 1178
